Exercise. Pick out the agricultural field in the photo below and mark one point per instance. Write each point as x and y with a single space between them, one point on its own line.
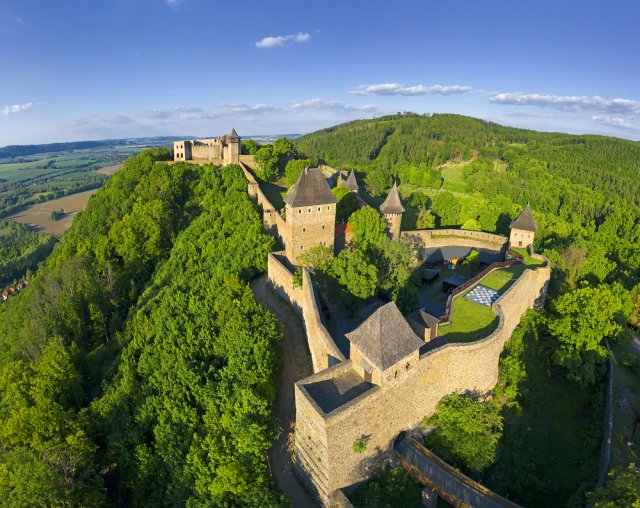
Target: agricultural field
38 217
26 180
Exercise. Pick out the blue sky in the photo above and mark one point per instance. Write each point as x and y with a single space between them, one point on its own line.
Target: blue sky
94 69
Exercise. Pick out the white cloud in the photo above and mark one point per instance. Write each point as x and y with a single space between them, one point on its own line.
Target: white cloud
331 105
17 108
174 3
400 89
574 103
615 121
282 40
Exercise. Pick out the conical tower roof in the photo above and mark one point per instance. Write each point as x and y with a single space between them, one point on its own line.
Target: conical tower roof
311 188
525 221
392 204
352 183
234 134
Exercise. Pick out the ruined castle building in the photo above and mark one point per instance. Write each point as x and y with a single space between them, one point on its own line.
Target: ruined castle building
310 209
523 229
222 151
392 211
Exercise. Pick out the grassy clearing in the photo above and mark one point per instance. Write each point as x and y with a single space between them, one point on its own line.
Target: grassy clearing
626 382
453 177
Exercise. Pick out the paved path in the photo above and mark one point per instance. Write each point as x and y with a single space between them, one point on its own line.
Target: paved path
296 365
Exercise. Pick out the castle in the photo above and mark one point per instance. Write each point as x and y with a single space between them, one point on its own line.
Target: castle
220 151
392 372
388 378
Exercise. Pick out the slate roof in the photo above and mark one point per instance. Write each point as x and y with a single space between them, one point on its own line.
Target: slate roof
233 134
385 337
352 183
392 204
429 320
525 221
310 189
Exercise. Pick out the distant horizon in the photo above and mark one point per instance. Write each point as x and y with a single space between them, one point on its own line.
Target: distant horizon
299 134
127 69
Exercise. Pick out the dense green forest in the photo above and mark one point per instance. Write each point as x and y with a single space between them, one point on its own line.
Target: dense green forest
21 250
137 368
545 432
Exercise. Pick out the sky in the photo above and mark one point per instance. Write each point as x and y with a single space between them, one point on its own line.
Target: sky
96 69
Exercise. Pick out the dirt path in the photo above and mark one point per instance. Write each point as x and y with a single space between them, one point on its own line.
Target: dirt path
296 364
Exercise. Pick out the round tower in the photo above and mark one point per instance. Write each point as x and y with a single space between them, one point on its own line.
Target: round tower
392 211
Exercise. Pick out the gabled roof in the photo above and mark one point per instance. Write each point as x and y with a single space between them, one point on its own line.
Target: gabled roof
311 188
429 320
392 204
525 221
385 337
352 183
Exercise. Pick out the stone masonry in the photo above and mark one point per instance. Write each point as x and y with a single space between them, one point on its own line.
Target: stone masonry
392 379
221 151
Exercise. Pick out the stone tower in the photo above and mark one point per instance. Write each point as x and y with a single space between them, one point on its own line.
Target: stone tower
232 150
523 229
310 209
392 211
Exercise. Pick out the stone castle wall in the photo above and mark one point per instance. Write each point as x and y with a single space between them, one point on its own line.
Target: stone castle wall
381 413
323 349
207 149
429 238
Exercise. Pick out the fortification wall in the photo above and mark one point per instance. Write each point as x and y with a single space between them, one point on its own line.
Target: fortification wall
429 238
324 352
379 415
249 160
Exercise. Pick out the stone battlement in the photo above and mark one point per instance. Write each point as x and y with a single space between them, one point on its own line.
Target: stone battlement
336 407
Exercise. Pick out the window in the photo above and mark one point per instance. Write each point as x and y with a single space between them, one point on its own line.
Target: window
300 211
304 229
309 210
302 247
319 208
323 226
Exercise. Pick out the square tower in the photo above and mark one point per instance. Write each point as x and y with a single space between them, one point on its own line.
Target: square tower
523 229
310 214
232 148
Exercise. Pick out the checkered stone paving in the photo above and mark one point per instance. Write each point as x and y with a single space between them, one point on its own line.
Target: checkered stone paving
482 295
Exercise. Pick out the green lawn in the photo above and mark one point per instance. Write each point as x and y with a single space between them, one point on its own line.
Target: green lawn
501 279
529 261
471 321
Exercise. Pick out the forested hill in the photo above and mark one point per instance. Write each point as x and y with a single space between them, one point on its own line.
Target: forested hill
605 164
137 369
